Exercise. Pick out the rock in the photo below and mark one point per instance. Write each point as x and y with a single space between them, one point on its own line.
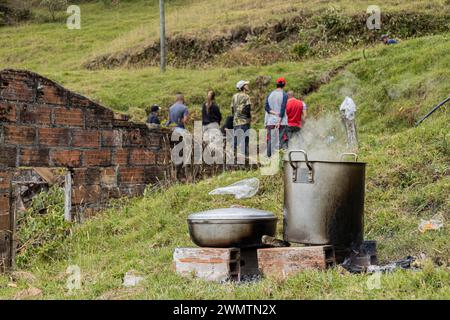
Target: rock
29 293
131 279
24 276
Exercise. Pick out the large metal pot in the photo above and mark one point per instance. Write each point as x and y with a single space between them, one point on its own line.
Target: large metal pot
231 227
324 201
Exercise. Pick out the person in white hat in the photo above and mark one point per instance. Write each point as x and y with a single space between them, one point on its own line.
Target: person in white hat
241 109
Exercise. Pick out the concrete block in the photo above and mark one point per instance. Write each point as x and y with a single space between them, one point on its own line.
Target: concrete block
212 264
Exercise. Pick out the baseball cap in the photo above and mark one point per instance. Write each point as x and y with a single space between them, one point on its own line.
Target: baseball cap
281 80
241 84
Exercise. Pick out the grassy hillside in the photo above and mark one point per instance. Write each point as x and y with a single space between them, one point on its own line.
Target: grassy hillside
407 173
407 181
114 28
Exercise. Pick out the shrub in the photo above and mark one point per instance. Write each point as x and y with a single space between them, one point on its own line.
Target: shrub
42 228
301 49
53 6
14 11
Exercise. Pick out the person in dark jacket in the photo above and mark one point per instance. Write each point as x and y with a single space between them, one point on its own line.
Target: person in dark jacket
211 114
211 118
153 115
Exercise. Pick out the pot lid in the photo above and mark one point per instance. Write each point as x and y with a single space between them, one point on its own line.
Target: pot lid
232 214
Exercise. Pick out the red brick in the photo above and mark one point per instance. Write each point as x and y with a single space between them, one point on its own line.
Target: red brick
78 101
99 117
282 262
133 137
121 157
4 222
19 135
130 175
34 157
132 190
66 158
5 178
72 117
86 194
163 156
17 87
153 140
109 177
154 174
54 137
93 158
8 156
36 114
7 112
4 203
111 138
86 176
121 117
50 93
86 138
142 157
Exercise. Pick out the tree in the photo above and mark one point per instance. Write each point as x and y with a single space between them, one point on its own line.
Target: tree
53 6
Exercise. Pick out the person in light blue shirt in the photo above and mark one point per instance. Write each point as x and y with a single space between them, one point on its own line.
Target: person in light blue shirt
178 113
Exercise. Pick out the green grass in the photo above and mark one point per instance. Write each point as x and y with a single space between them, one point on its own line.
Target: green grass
407 172
407 180
141 235
107 29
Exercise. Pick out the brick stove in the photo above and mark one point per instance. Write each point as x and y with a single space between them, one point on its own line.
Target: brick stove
222 264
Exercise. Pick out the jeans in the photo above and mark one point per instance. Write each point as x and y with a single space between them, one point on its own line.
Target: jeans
281 141
242 143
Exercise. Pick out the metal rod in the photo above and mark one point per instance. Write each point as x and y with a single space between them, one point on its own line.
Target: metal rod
432 111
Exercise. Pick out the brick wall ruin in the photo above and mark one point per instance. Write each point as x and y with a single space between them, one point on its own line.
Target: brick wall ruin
44 125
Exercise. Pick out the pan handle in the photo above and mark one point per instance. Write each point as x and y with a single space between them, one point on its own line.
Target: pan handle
349 154
306 159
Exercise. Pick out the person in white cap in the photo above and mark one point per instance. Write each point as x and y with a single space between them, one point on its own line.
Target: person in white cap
241 109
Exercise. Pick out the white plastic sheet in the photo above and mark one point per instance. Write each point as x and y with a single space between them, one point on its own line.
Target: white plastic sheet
349 108
243 189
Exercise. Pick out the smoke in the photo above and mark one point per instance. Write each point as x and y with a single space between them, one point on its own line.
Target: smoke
323 139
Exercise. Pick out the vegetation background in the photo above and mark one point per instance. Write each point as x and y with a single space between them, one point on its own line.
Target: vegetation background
324 58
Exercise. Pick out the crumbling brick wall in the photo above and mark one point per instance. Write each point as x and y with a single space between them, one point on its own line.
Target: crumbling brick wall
44 125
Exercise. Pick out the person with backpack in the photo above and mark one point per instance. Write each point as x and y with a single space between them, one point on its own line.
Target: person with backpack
241 110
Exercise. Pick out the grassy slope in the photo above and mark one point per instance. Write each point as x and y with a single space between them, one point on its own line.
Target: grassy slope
109 29
407 181
54 51
407 171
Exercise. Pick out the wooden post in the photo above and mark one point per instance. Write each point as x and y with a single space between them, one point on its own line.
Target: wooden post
68 197
162 22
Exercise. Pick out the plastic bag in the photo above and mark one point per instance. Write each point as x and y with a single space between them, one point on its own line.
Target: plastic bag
434 223
349 108
243 189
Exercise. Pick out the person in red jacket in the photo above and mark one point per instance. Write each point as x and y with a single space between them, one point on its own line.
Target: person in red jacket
296 111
